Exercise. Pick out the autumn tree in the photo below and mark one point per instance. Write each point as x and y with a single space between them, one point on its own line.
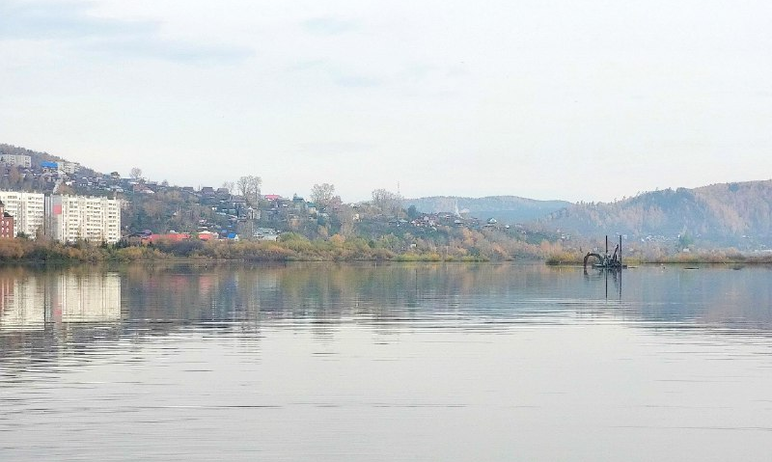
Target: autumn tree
249 187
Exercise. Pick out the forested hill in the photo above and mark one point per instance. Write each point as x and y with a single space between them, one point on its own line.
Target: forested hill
726 214
505 209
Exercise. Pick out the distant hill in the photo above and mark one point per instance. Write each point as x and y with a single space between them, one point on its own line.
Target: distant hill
505 209
726 214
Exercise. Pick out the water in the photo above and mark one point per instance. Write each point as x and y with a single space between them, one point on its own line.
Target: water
326 362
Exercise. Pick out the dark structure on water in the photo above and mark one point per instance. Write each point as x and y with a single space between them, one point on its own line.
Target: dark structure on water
606 261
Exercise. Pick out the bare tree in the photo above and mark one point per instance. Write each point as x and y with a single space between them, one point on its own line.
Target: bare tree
388 202
249 187
136 173
323 194
230 186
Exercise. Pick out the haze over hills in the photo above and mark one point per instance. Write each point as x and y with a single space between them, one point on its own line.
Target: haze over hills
725 214
505 209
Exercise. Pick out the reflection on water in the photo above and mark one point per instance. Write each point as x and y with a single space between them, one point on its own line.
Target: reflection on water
30 301
328 362
612 276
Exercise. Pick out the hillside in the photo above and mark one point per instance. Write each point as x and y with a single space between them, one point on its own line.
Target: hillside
37 157
720 215
505 209
726 214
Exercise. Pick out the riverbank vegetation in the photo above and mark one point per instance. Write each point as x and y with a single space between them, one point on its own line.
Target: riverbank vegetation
467 246
720 256
471 246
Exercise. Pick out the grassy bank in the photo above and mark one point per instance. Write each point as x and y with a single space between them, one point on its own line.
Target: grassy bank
294 249
298 248
714 257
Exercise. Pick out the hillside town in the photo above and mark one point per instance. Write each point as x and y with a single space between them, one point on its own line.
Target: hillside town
44 196
65 202
61 217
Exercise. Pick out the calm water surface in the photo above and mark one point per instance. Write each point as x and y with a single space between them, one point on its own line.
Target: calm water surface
445 362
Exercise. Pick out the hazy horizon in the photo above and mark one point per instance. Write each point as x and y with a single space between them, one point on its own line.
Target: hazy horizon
552 100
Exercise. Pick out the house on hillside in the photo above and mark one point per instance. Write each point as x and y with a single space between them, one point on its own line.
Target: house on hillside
311 208
208 236
169 237
142 189
266 234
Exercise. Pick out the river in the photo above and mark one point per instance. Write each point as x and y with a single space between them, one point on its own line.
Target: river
366 362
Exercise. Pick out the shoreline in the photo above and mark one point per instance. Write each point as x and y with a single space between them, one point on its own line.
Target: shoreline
48 253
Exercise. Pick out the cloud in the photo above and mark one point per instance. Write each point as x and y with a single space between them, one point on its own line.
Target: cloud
71 23
42 20
328 26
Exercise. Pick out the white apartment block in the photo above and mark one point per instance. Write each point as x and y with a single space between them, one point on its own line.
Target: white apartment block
17 159
95 219
27 209
70 168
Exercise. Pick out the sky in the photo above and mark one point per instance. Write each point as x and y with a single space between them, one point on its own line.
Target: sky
579 100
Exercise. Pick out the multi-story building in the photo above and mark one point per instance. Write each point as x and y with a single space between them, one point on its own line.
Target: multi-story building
95 219
17 159
70 168
27 209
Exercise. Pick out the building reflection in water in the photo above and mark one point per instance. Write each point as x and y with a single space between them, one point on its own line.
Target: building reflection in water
29 301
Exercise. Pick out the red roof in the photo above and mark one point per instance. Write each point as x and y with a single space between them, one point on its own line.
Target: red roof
174 237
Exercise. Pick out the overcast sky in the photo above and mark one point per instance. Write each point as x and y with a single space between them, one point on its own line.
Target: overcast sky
566 99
